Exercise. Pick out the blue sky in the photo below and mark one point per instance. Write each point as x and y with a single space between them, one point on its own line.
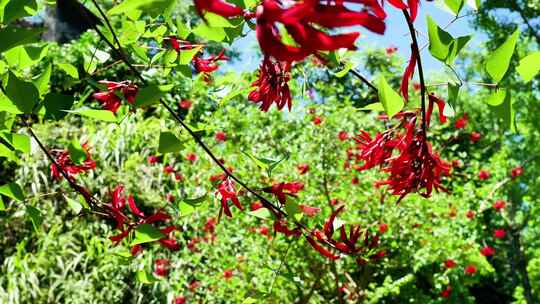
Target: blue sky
397 35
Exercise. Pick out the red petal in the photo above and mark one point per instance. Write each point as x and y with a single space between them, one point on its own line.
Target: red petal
325 252
329 225
398 4
413 7
133 207
409 72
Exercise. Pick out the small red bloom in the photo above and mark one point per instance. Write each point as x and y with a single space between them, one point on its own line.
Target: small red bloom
218 7
499 233
227 274
317 120
447 292
355 181
63 160
281 227
161 267
191 157
462 121
194 285
470 214
516 172
210 225
483 175
180 300
109 100
391 50
416 86
227 191
152 159
449 264
282 190
470 269
383 227
408 75
487 251
170 197
178 177
221 136
272 86
256 205
209 65
309 211
499 205
334 202
168 169
475 136
303 168
342 135
457 163
185 104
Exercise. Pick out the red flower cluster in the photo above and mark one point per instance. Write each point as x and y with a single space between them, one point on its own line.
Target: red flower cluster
110 99
299 19
499 233
220 136
227 191
272 85
483 175
161 267
63 159
499 205
462 121
209 65
487 251
347 243
416 167
282 190
124 223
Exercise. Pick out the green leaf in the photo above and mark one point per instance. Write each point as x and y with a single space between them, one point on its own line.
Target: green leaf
16 9
261 213
19 142
182 30
42 81
292 207
2 206
76 152
439 40
12 190
391 101
215 20
7 153
153 8
151 94
348 66
69 69
187 55
96 114
497 97
529 66
12 36
35 217
57 105
455 5
6 120
453 93
505 111
196 201
24 95
457 45
374 107
26 56
146 233
74 205
210 33
144 278
497 64
169 143
185 208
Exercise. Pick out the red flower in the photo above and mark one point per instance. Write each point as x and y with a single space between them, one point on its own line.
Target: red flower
63 160
170 197
470 269
487 251
317 120
194 285
210 225
308 210
449 264
391 50
180 300
209 65
227 192
185 104
334 202
516 172
417 86
272 85
475 136
383 227
447 292
221 136
227 274
483 175
178 177
168 169
457 163
282 190
218 7
355 181
303 168
408 75
342 135
161 267
281 227
191 157
256 205
499 205
298 19
499 233
462 121
152 159
109 100
470 214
